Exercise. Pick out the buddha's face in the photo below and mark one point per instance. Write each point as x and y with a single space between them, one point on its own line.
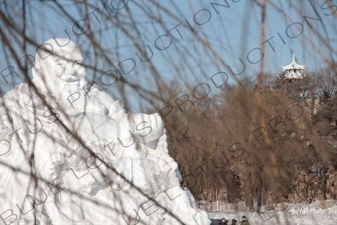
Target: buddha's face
64 63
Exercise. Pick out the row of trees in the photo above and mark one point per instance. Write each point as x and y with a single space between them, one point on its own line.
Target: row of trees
231 149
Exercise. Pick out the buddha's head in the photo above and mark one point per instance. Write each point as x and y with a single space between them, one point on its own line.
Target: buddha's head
58 61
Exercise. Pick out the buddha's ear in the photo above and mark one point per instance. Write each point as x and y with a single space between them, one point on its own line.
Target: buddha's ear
38 78
36 69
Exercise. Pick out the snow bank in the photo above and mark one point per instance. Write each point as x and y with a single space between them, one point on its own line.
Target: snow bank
291 214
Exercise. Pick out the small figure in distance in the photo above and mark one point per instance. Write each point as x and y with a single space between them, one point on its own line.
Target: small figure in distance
234 221
223 222
244 221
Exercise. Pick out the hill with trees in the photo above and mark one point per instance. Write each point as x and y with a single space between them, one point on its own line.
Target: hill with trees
232 148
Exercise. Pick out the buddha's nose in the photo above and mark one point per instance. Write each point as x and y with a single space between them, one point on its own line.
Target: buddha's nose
69 68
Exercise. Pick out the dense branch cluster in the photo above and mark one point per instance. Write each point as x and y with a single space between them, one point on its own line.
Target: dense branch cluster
225 154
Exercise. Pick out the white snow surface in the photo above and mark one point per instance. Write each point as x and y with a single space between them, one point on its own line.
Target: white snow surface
317 213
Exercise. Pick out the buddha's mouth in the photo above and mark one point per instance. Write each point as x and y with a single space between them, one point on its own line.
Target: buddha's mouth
70 77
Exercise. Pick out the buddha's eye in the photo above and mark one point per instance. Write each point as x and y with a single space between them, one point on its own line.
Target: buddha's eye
59 62
76 65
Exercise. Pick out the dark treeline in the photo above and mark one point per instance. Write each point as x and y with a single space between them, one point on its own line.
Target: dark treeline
231 148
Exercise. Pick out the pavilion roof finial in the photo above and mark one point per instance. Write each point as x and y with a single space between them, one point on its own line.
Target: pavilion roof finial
293 65
292 71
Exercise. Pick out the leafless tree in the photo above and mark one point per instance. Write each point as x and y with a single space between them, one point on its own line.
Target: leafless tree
175 58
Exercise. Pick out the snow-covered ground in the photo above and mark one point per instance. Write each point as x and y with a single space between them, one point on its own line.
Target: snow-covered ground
317 213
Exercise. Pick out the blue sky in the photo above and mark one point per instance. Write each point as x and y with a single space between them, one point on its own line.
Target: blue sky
231 28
